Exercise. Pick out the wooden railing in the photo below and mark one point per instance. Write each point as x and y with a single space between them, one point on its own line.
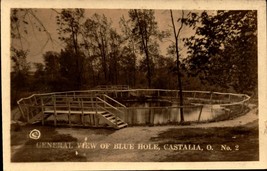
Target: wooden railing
113 100
112 87
67 103
87 99
106 106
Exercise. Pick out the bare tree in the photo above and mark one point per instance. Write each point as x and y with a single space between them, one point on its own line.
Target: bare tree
144 28
179 80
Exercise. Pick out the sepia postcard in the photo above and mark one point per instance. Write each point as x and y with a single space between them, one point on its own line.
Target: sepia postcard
134 85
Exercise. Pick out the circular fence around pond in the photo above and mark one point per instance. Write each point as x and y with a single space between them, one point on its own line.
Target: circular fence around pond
144 106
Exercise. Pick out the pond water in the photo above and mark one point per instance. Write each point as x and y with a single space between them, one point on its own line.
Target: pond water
156 113
164 112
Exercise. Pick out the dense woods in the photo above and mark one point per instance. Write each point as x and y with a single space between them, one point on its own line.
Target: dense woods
221 53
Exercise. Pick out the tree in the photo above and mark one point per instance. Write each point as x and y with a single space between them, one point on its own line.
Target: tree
52 65
223 51
69 22
128 67
68 69
164 72
25 22
20 73
52 74
129 51
144 28
115 52
39 82
97 36
179 80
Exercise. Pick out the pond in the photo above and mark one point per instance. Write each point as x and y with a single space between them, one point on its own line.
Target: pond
165 112
154 112
147 106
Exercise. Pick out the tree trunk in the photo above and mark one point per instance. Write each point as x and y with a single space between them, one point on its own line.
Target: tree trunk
78 63
176 35
144 43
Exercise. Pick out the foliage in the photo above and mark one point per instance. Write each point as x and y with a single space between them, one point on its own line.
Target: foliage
176 35
97 32
20 73
128 69
144 29
223 51
69 22
25 22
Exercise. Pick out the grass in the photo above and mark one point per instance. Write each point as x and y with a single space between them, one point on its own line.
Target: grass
246 138
29 153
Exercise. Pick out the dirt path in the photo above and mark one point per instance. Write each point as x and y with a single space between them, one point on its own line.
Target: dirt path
138 137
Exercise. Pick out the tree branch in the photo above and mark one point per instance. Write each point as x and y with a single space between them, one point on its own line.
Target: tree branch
182 22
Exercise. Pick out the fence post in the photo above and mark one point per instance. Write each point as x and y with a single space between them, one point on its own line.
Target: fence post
116 120
152 116
42 108
92 102
35 100
97 120
69 114
126 114
27 110
105 99
200 114
21 111
211 97
55 110
242 106
96 114
82 112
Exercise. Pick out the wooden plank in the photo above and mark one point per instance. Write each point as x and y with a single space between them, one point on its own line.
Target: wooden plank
73 112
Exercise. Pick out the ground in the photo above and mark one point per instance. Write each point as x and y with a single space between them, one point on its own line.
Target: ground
232 140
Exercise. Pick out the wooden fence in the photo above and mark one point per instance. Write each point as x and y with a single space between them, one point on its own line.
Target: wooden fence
88 102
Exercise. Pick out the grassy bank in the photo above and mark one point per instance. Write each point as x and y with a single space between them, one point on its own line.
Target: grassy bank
243 143
29 153
242 140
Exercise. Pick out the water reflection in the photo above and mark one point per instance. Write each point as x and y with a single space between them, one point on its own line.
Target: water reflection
154 113
164 112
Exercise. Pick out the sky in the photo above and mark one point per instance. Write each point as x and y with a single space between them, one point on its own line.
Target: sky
38 43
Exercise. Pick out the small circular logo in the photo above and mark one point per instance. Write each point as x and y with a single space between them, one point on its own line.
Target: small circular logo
35 134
